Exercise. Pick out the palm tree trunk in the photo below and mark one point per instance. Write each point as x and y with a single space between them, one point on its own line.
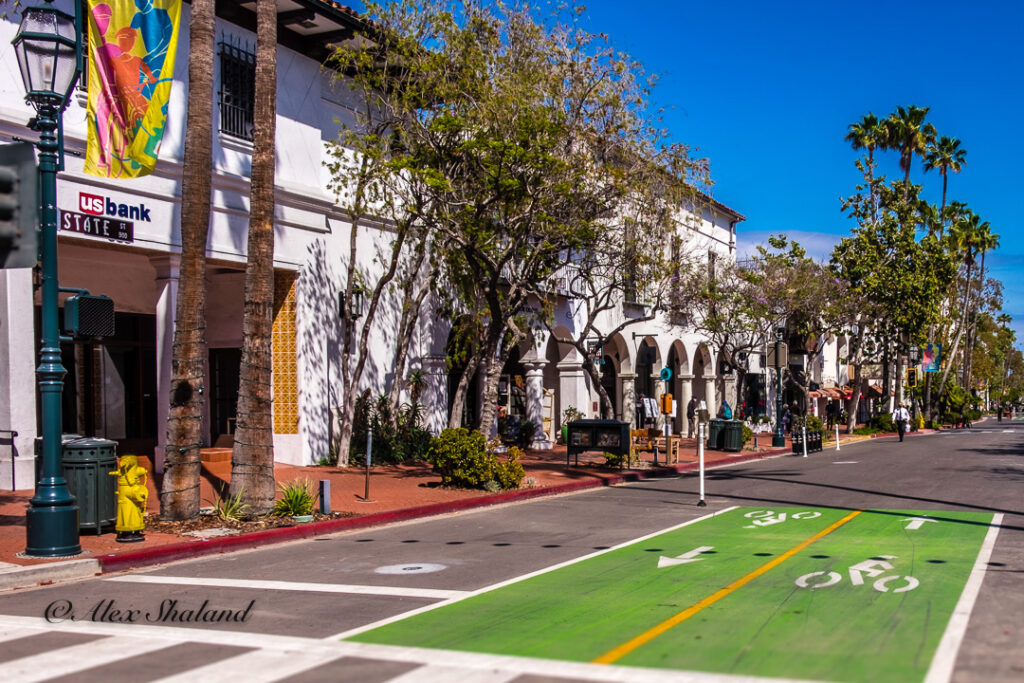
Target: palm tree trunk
252 460
179 491
959 334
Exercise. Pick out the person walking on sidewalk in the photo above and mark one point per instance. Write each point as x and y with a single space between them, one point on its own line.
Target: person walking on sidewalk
900 416
691 417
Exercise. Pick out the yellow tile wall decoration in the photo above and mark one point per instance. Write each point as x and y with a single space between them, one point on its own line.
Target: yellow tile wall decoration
286 387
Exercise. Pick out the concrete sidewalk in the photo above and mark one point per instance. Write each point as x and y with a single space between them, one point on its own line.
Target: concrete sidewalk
398 493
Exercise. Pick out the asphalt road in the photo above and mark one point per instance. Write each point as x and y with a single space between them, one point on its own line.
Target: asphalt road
276 613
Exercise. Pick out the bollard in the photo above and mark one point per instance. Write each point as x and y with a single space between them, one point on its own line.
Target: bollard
369 450
804 431
700 457
325 496
837 435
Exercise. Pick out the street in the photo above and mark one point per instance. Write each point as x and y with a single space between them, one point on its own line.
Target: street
781 575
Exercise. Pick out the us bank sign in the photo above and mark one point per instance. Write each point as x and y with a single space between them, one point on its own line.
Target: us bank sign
100 216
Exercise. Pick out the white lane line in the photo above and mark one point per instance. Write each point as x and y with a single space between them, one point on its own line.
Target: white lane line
393 591
547 668
68 660
941 669
845 462
517 579
446 674
255 667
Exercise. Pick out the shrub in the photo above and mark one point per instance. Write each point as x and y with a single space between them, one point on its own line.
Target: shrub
230 508
297 498
397 437
613 460
464 459
748 434
814 423
882 423
508 474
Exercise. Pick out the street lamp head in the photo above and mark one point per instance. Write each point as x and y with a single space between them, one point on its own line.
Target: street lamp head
47 50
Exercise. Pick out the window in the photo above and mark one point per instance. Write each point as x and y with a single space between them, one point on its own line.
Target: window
237 90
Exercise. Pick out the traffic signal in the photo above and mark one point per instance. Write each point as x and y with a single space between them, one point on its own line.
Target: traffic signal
666 404
911 377
19 206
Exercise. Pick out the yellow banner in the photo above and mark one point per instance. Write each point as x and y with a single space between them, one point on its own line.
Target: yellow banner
132 44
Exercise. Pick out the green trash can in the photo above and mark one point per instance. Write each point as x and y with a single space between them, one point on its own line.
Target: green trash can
732 436
87 467
716 428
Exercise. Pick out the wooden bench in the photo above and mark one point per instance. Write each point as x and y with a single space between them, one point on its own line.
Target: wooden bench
647 440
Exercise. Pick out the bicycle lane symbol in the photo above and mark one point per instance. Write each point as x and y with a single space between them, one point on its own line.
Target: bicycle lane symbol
763 518
875 566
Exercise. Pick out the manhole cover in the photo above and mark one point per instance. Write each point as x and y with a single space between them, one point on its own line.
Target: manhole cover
413 568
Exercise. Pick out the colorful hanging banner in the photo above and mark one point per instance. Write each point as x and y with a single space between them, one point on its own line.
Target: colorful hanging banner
132 44
931 357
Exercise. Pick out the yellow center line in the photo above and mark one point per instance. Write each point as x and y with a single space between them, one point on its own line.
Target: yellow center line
622 650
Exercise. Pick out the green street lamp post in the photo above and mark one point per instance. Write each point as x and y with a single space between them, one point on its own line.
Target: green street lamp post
47 46
779 437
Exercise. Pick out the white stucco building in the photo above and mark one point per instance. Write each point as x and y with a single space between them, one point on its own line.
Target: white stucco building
118 387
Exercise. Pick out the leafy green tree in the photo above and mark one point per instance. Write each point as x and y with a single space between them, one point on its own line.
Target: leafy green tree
520 138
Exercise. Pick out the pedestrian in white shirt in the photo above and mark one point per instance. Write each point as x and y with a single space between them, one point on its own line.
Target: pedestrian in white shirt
900 417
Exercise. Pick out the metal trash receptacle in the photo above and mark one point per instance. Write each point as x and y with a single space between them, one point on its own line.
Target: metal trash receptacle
716 428
732 436
87 464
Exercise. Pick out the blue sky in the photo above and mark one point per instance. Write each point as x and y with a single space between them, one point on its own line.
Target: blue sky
766 91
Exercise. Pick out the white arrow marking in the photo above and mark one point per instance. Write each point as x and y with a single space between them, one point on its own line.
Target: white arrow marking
685 557
915 522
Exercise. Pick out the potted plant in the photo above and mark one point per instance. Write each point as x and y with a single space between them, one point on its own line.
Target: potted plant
570 415
297 500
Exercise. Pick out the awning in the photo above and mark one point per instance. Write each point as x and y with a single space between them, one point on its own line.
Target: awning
876 391
832 394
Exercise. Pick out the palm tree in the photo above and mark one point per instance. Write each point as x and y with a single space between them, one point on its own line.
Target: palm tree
908 133
945 156
252 460
869 133
986 240
179 491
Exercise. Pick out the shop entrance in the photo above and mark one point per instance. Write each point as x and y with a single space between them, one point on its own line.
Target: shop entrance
225 371
110 386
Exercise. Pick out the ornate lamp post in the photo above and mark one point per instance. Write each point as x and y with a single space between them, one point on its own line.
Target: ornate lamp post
47 46
779 437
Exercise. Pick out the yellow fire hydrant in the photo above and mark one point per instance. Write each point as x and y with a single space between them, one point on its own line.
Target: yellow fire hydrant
132 495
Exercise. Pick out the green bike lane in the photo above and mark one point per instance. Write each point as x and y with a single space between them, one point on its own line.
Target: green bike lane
810 593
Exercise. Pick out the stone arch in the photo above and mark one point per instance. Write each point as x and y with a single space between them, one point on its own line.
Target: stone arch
680 386
704 376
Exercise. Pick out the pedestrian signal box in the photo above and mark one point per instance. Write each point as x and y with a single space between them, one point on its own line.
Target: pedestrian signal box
666 404
911 377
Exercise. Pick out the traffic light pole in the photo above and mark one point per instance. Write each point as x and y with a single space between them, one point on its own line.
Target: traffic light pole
51 520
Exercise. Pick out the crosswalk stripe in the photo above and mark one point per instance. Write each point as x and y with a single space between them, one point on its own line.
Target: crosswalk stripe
18 632
309 587
67 660
256 667
444 674
139 639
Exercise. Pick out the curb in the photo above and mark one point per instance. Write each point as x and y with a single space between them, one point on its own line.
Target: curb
43 574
